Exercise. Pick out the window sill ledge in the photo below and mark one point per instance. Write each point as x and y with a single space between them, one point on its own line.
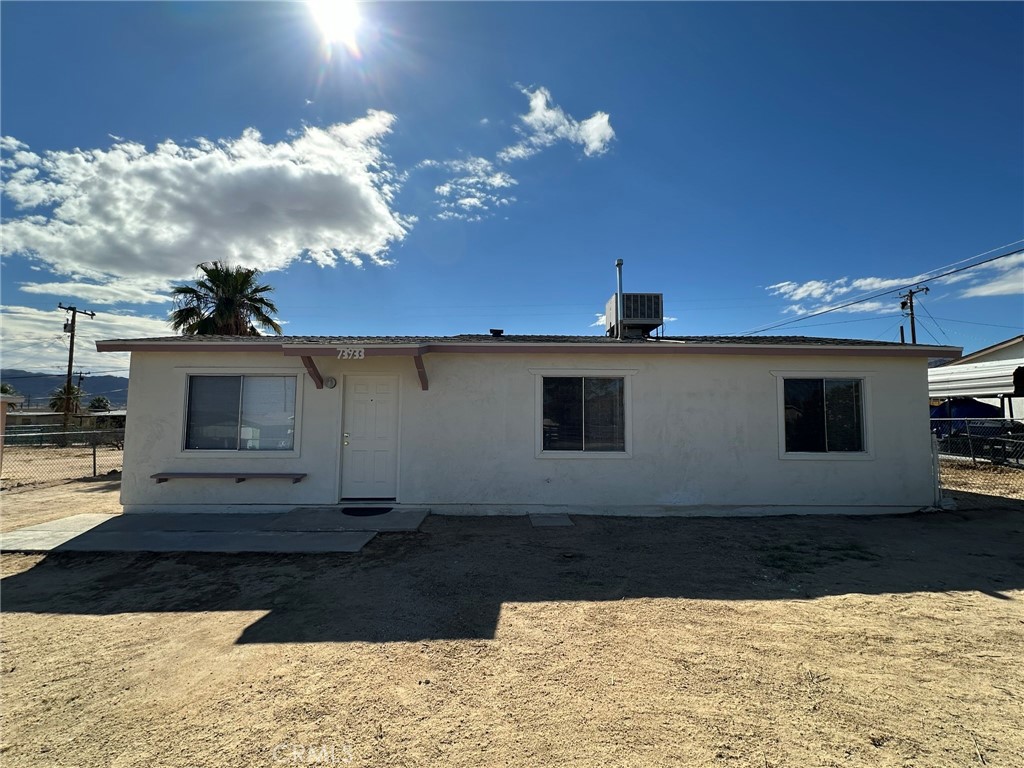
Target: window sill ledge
584 455
833 456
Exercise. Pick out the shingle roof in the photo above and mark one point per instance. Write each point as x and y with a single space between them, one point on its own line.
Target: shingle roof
509 339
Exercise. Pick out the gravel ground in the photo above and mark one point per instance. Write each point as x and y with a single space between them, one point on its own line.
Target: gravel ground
22 507
815 641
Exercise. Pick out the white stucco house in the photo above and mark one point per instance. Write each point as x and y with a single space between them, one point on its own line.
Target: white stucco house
512 424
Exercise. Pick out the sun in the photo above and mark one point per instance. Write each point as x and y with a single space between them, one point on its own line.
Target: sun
338 20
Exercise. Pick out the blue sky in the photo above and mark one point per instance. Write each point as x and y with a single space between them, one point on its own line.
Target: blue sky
479 165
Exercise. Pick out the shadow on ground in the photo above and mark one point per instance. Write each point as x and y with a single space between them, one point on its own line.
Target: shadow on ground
450 579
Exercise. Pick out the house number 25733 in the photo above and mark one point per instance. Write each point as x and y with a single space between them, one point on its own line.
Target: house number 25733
350 353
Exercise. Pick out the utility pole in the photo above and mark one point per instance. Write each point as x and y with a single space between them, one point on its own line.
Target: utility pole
907 305
69 327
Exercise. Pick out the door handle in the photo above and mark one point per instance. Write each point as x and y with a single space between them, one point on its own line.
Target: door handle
346 442
345 435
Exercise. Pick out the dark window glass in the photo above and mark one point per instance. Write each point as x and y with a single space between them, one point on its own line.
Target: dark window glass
823 415
584 414
268 413
843 414
563 414
247 413
213 413
604 415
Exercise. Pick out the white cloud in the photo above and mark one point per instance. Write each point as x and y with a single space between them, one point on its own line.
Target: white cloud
151 215
824 291
864 306
1004 277
1000 278
546 124
33 339
121 292
474 188
11 144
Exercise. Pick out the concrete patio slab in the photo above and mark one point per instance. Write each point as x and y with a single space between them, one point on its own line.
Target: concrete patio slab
284 542
35 541
184 533
333 519
186 522
550 521
74 523
217 541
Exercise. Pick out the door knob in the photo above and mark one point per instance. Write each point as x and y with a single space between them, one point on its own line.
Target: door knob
346 442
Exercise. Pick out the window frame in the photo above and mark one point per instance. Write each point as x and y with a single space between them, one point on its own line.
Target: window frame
626 375
199 453
864 377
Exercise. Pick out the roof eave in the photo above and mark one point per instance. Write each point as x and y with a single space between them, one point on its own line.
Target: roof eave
320 349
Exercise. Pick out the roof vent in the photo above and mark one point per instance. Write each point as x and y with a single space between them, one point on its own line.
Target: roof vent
497 331
641 314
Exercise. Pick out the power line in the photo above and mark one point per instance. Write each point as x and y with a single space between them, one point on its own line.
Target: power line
907 305
856 320
928 331
974 322
861 300
891 327
941 330
44 375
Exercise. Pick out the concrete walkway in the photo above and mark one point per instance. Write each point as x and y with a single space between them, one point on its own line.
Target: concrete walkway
302 530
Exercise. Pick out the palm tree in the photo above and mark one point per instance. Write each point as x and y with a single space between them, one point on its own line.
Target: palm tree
7 389
60 397
224 301
99 403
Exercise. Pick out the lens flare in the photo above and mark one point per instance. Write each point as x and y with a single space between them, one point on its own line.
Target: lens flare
338 21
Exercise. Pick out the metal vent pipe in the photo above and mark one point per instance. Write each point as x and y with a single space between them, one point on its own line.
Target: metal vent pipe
618 300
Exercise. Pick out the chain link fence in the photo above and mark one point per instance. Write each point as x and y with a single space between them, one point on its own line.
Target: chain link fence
35 457
984 457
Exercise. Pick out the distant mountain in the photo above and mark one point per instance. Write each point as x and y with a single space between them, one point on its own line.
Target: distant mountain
38 387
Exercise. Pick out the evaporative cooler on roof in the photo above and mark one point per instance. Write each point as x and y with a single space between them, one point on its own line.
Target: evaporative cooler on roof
641 314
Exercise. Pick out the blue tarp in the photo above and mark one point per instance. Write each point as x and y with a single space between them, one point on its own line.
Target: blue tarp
966 408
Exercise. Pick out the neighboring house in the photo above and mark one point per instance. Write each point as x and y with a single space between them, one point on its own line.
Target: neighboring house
45 420
6 401
509 424
993 375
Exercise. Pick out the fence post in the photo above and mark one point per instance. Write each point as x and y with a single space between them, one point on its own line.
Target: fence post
970 441
94 457
936 471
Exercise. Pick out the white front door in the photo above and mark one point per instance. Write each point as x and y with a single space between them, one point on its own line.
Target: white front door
369 456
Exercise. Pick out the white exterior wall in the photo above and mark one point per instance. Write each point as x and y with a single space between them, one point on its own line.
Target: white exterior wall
1013 351
705 431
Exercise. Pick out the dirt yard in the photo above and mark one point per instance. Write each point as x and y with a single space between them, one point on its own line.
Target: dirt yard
40 504
988 479
27 468
618 642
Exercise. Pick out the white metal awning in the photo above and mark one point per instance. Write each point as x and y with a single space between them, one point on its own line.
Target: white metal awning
976 379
